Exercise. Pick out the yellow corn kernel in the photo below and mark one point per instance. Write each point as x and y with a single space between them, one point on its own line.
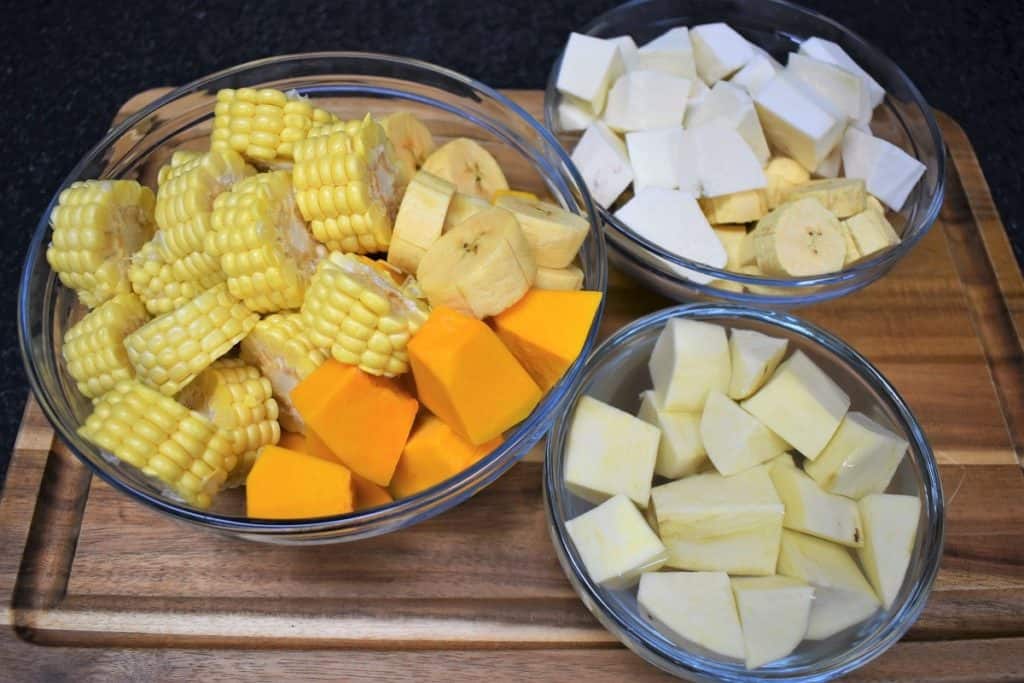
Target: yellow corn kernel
361 315
169 351
162 438
94 347
346 187
97 226
238 400
164 286
263 244
280 347
185 195
263 125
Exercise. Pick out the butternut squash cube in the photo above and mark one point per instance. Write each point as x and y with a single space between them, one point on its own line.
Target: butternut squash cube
363 419
468 378
546 329
368 494
286 484
434 453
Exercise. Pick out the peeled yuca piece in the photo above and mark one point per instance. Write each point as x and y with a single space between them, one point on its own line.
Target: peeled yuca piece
801 404
695 606
689 360
842 596
890 529
589 66
615 543
774 611
861 458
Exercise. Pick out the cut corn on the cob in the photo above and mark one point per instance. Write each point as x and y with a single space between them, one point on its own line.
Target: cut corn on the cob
164 285
238 400
346 185
279 345
162 438
169 351
97 226
94 347
361 315
263 244
187 188
263 125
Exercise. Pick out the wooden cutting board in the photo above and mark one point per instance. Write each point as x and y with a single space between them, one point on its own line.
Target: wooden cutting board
95 586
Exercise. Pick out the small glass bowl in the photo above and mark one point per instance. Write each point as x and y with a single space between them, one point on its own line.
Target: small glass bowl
348 84
904 119
617 372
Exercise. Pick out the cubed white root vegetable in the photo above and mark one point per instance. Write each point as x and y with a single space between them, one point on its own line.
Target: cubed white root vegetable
673 220
888 172
602 160
589 67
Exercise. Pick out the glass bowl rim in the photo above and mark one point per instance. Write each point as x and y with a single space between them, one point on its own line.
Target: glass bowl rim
881 262
380 519
676 660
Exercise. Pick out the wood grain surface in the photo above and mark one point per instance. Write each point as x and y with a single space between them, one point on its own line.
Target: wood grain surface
97 587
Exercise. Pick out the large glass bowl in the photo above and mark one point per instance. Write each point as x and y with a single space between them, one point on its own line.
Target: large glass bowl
348 84
904 119
617 372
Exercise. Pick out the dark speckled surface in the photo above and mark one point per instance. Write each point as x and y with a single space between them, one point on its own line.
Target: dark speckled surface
66 67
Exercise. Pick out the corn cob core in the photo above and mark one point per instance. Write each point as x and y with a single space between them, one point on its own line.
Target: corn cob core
169 351
186 190
263 125
163 439
279 345
97 225
361 315
263 244
345 185
94 347
238 400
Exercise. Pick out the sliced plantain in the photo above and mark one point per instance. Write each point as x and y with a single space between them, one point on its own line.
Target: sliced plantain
739 207
412 141
871 232
420 220
467 165
568 279
800 238
481 267
783 174
554 234
462 207
842 196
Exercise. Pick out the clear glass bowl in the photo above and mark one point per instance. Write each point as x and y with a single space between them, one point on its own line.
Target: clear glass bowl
904 119
348 84
617 372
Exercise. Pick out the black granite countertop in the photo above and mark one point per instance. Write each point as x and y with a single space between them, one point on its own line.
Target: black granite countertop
67 67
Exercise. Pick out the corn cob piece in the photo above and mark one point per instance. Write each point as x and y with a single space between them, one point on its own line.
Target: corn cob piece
263 125
162 438
187 188
361 315
94 347
264 246
237 399
346 186
169 351
280 347
164 285
97 226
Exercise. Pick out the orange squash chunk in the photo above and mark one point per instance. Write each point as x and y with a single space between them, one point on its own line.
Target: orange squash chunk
287 484
310 444
368 494
546 330
362 419
466 376
434 453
